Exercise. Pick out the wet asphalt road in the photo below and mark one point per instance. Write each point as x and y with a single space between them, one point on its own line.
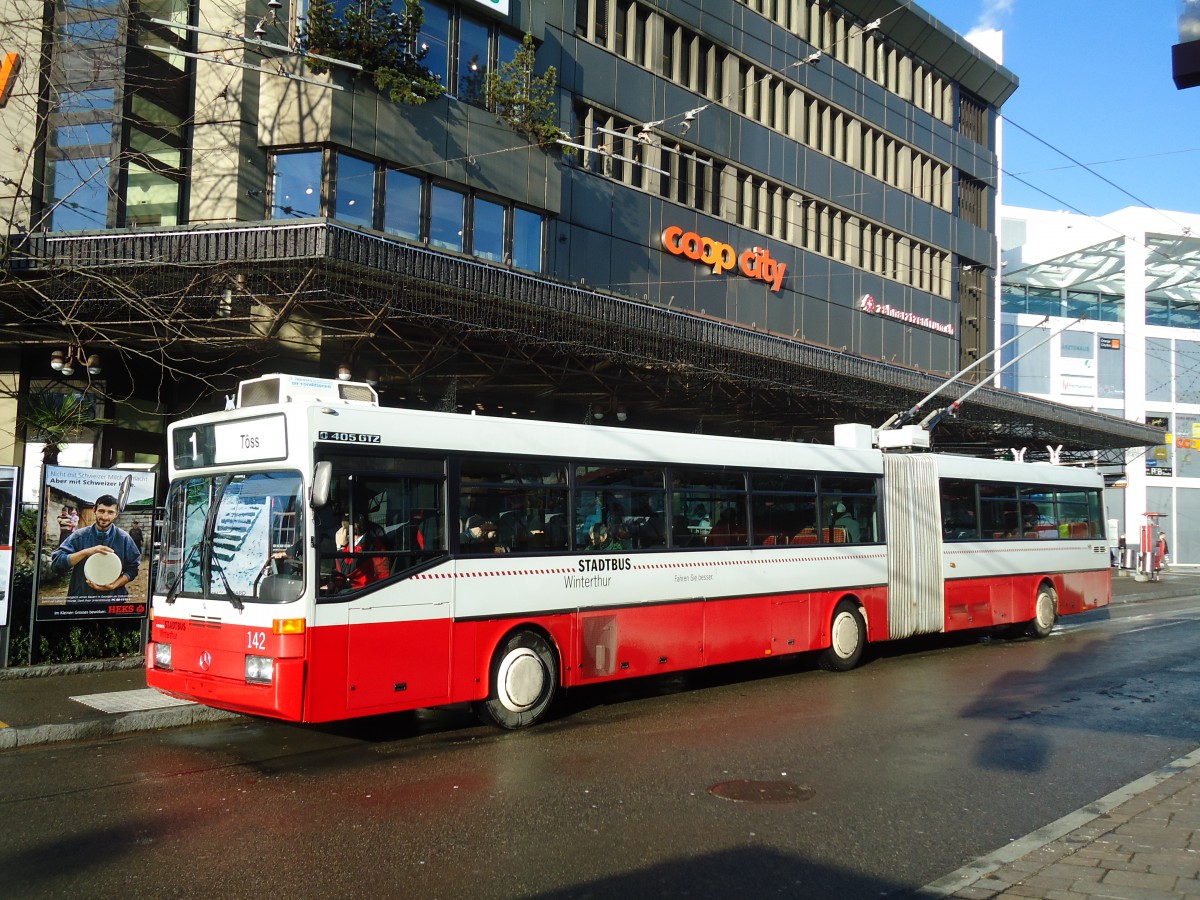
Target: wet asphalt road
857 785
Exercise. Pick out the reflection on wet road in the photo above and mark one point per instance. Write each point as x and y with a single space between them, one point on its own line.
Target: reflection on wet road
770 779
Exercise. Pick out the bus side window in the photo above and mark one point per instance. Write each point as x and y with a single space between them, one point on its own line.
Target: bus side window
402 515
958 510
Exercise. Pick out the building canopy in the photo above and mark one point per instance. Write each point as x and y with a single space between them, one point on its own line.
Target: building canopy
216 304
1172 269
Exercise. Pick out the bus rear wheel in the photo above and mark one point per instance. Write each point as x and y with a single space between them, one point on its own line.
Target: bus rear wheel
847 639
1045 612
524 682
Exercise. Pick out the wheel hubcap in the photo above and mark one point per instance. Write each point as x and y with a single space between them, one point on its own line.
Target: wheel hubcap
845 635
1045 610
521 679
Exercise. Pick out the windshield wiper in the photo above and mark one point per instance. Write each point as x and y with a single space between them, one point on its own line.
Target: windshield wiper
172 591
234 599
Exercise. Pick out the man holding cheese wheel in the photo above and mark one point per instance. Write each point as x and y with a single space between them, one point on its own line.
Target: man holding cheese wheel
102 558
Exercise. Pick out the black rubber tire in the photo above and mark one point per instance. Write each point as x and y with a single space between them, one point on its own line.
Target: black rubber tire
847 639
524 682
1045 612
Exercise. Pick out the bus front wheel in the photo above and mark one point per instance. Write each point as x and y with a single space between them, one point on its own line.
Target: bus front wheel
847 639
524 682
1045 612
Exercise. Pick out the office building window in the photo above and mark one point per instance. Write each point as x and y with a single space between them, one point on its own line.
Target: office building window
1110 367
91 133
434 41
79 193
297 186
90 100
973 201
105 166
472 60
1158 311
364 192
459 50
1158 370
487 231
527 240
154 182
354 195
1187 372
1044 301
621 150
507 47
646 37
973 119
446 218
402 204
1112 308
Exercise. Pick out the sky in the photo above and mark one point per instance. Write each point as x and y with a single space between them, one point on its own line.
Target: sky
1097 124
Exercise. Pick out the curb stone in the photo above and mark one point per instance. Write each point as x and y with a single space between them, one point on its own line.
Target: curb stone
114 726
75 668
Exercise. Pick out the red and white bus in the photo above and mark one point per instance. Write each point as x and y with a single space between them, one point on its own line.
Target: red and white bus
325 558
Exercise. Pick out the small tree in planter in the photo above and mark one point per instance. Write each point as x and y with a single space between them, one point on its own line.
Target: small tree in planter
56 418
382 41
523 100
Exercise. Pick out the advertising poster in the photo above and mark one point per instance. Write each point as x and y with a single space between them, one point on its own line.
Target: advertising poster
1159 459
96 527
8 537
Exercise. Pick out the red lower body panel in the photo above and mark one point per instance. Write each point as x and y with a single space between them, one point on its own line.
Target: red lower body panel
380 667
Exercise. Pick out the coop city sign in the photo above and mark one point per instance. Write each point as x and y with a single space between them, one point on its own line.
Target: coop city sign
754 263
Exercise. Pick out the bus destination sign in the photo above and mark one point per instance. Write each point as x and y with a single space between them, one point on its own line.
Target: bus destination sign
240 441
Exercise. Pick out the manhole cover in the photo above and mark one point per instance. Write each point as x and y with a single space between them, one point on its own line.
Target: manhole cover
762 791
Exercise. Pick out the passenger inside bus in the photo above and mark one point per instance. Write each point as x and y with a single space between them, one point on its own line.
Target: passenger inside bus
519 527
844 519
366 562
601 541
478 535
1037 525
557 532
650 531
728 532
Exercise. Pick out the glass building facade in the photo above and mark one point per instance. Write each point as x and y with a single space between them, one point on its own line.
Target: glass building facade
1128 344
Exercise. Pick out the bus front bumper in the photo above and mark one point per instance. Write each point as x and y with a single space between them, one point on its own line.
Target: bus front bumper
282 698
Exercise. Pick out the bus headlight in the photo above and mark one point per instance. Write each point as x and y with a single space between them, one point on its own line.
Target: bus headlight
260 669
162 655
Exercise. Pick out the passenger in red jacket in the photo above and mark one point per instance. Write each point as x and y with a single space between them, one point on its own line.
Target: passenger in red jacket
365 563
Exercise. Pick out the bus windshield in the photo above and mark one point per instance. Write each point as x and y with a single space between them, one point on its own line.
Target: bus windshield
234 537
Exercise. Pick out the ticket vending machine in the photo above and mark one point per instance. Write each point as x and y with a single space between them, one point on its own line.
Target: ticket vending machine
1150 558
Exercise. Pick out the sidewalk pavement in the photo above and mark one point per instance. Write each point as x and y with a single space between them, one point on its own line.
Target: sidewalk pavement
1142 841
85 701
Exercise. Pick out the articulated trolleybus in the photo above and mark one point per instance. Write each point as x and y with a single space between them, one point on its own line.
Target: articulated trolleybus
325 558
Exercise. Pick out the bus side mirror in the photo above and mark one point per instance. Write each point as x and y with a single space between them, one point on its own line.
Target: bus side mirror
322 479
